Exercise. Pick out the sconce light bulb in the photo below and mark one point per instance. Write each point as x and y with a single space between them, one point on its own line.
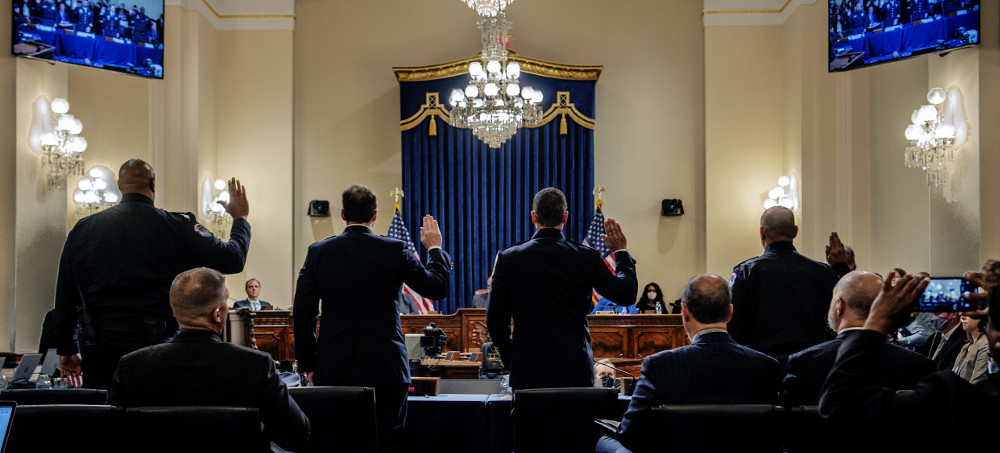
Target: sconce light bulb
59 105
220 184
783 181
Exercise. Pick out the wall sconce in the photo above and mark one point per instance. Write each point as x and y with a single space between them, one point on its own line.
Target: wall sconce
784 194
62 146
96 191
219 221
932 141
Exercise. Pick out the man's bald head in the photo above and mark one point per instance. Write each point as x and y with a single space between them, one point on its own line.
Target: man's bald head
136 176
857 290
777 224
196 294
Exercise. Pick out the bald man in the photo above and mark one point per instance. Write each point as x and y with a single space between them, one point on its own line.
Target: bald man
713 369
780 298
197 368
118 265
899 368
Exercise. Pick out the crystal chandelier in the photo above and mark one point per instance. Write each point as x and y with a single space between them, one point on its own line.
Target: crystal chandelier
493 104
96 191
932 141
487 7
62 147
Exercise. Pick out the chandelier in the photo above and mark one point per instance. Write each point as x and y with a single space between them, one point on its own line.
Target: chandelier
932 141
96 191
487 7
493 104
62 146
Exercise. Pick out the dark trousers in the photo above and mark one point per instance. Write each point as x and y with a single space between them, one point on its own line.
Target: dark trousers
390 415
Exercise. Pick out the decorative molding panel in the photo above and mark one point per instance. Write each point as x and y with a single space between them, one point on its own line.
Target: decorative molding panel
243 14
749 12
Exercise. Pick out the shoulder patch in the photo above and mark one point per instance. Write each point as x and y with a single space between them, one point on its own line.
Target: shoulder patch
201 230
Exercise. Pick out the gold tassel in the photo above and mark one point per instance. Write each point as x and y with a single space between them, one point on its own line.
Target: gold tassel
433 128
562 125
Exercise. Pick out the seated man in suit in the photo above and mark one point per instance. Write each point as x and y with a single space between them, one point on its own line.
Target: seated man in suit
252 301
899 368
712 369
197 368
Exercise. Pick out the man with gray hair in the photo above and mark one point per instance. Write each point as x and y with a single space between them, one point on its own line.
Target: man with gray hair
713 369
780 298
197 368
899 368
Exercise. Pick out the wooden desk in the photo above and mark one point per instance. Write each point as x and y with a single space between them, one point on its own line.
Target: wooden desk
270 331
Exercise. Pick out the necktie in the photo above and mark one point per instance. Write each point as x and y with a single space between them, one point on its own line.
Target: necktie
256 305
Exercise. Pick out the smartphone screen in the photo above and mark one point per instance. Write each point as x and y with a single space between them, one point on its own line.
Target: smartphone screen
947 294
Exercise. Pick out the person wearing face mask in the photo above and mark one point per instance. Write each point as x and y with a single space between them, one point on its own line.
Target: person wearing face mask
652 295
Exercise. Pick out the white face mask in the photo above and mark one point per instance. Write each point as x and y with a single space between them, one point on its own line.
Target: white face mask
651 295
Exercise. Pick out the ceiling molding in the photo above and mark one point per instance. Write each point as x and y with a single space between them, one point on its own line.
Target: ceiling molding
749 12
243 14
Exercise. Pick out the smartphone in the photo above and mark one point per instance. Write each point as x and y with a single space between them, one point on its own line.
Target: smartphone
947 294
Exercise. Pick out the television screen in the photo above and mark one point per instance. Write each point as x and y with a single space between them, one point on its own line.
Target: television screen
868 32
97 33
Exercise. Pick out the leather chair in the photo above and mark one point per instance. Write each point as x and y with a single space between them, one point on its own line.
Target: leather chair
718 428
67 427
561 419
194 428
342 418
25 397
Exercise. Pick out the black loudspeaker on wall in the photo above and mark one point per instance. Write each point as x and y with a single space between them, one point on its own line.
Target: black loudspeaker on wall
672 206
319 208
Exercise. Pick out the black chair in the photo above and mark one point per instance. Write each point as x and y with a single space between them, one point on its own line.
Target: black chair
561 419
55 396
67 427
341 418
718 428
194 428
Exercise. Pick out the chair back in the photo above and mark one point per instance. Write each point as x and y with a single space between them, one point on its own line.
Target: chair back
67 427
560 419
25 397
194 428
342 418
718 428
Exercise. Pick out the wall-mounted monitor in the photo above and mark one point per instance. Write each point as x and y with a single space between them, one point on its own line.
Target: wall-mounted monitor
868 32
114 35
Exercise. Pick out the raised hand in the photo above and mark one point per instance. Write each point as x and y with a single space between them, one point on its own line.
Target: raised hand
238 206
613 237
430 233
835 251
894 303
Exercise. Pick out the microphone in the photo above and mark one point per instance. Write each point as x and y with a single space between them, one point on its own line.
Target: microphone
613 368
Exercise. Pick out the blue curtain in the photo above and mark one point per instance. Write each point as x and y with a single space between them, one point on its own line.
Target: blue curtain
481 196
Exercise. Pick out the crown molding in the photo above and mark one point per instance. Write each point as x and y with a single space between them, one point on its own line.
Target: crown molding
243 14
749 12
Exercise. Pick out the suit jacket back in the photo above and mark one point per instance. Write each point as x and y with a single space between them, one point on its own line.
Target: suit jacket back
358 276
545 284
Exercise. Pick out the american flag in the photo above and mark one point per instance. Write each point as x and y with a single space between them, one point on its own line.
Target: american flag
397 230
595 241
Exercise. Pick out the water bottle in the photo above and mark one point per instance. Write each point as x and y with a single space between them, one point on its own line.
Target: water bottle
624 311
43 382
659 308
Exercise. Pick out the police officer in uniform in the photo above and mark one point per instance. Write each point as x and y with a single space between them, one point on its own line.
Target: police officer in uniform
781 298
117 267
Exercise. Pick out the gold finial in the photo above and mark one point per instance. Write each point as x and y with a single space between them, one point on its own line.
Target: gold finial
599 194
397 195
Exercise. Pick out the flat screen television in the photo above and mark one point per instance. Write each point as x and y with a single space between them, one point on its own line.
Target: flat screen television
868 32
115 35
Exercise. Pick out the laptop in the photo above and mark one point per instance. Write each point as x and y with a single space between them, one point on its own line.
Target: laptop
50 363
24 370
6 417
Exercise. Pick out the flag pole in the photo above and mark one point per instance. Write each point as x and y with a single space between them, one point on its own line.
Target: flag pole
599 194
397 195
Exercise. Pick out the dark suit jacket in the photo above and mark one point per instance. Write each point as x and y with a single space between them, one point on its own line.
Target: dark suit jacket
358 276
899 369
945 359
196 368
942 402
712 369
245 303
546 285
